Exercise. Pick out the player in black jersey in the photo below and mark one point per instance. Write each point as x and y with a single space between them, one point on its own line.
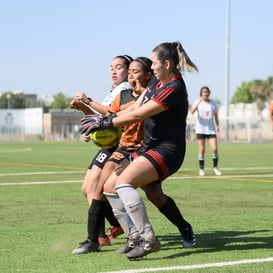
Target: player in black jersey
163 107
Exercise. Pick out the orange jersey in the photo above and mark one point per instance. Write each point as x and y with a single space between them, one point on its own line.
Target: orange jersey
271 106
132 134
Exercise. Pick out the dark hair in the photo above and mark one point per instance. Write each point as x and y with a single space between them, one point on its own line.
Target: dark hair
204 87
175 53
128 59
146 63
167 51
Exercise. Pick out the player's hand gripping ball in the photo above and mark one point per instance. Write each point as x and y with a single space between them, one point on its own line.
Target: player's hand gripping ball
91 123
100 130
106 138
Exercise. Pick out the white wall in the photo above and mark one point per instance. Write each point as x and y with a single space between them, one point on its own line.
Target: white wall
30 119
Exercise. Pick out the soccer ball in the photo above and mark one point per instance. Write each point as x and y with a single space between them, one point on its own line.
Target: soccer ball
106 138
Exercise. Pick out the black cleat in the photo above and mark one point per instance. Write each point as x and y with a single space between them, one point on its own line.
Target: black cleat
189 239
128 246
143 248
86 247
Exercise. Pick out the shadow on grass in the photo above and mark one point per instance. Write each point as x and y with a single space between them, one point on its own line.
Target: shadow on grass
220 241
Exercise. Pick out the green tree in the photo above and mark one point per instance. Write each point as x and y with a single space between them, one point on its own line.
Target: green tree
262 89
12 101
242 94
60 101
258 91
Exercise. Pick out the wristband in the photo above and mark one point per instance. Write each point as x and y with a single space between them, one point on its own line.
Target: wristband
89 100
107 121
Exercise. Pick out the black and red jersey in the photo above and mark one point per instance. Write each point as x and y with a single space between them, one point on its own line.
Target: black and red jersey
169 125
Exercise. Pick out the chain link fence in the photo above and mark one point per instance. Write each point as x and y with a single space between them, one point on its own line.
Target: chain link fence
245 124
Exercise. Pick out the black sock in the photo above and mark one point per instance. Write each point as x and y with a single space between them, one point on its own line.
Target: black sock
95 219
171 211
215 162
109 215
102 229
201 164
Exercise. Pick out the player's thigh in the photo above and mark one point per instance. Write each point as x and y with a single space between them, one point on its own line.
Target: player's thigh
201 145
213 144
107 170
85 182
110 182
138 173
92 179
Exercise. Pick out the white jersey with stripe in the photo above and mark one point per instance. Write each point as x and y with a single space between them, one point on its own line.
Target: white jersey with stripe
110 97
205 118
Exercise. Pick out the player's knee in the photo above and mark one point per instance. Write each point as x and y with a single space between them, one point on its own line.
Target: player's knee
109 187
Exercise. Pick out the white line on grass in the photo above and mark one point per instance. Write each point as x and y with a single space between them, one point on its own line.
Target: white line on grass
220 177
35 173
194 266
15 150
41 182
172 177
182 169
234 169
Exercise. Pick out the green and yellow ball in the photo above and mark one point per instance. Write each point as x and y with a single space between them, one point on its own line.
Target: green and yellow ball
106 138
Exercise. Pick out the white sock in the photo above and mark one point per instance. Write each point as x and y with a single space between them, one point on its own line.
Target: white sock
122 216
135 207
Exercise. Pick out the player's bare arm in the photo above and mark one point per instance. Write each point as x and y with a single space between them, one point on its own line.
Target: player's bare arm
151 108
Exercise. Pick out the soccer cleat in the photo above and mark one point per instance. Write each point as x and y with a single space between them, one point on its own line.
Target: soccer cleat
201 172
216 171
86 247
188 236
128 246
143 248
104 241
114 232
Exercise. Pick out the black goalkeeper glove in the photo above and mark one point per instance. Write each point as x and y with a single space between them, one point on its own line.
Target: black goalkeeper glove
96 122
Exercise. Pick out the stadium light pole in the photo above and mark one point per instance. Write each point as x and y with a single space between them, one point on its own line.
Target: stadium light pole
8 98
227 72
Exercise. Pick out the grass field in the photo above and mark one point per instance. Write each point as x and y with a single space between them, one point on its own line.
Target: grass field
43 213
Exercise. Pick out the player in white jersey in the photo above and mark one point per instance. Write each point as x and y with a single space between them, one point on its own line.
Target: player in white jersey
119 74
207 128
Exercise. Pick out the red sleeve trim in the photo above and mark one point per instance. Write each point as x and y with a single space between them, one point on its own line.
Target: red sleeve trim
162 95
160 102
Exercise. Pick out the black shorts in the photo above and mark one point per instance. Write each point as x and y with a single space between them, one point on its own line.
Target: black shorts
203 136
120 154
101 157
166 159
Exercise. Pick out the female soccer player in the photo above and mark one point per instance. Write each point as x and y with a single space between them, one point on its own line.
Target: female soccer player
163 107
119 74
139 74
207 118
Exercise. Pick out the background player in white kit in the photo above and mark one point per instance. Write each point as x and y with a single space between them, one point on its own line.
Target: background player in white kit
207 128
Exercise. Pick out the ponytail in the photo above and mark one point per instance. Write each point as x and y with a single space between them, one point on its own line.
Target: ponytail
175 53
185 63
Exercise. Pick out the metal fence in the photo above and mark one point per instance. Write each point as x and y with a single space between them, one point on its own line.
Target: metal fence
239 130
17 133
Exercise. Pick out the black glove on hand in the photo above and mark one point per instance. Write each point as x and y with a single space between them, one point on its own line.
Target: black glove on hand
95 122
